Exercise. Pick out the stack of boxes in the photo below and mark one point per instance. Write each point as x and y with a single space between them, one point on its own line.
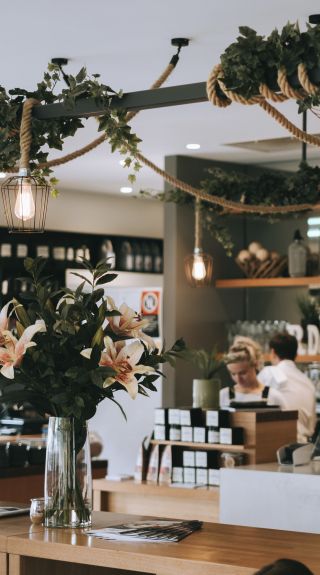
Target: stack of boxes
194 465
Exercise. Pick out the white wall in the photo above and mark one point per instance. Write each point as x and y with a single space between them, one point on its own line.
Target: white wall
103 214
97 213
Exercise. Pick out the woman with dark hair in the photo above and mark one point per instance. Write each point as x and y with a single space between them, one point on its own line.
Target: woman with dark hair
285 567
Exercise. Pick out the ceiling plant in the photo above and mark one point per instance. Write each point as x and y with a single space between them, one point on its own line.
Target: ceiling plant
53 133
253 60
266 189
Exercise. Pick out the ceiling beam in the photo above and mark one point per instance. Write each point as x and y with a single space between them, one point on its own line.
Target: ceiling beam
132 101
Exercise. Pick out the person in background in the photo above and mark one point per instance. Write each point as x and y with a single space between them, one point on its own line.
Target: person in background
284 567
296 389
243 360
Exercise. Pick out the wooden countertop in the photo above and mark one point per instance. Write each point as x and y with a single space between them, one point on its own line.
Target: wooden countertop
135 487
214 550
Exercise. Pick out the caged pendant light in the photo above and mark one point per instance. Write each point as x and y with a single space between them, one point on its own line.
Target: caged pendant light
25 198
199 265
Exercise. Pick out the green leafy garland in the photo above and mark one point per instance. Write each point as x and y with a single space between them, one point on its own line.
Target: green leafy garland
52 133
267 189
254 59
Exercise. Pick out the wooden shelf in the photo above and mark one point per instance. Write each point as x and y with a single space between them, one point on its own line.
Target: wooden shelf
215 446
267 282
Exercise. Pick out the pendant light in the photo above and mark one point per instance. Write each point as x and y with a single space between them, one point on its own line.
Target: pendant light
25 198
199 265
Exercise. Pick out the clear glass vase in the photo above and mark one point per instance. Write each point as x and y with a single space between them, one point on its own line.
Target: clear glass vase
68 478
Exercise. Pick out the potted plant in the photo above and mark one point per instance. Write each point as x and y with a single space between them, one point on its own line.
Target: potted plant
206 388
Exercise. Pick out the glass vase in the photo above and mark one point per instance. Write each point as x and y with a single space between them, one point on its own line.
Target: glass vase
68 478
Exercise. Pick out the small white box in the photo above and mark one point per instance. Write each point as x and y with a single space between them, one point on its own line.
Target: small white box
185 417
202 476
199 434
160 432
212 418
177 475
213 476
226 435
186 433
174 416
188 458
160 416
201 459
189 475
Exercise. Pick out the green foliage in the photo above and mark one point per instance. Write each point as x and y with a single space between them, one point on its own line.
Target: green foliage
52 133
207 362
310 310
254 59
53 375
266 189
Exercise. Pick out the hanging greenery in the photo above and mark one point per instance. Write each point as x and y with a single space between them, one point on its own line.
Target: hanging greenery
254 60
266 189
52 133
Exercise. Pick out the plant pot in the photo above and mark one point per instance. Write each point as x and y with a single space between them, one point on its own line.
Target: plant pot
205 393
68 478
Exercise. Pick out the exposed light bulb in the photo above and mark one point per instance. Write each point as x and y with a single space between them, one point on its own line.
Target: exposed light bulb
198 268
193 146
24 207
126 190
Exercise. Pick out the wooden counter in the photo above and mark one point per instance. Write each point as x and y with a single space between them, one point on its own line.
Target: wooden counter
161 500
214 550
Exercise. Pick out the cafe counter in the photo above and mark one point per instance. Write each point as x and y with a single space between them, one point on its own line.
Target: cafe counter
272 495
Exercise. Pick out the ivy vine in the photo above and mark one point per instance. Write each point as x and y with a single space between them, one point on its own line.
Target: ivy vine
253 59
52 133
266 189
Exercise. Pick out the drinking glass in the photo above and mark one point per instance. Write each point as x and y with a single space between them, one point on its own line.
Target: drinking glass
37 510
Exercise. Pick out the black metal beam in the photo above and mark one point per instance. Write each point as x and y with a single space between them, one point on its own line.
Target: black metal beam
143 100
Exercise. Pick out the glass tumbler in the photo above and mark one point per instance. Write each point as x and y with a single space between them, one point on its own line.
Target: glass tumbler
37 510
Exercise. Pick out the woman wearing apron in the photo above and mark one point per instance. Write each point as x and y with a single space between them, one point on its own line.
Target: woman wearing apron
243 362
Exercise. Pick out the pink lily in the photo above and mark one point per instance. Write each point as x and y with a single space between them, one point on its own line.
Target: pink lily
4 321
13 351
129 323
124 360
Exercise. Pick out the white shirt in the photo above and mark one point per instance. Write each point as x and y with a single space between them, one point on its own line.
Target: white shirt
274 397
297 391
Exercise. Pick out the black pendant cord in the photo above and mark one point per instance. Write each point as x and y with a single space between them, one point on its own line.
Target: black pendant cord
304 144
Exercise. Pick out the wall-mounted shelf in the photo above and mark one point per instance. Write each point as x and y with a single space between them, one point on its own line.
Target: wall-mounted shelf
268 282
193 445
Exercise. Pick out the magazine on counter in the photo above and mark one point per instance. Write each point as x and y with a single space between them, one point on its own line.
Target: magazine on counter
154 531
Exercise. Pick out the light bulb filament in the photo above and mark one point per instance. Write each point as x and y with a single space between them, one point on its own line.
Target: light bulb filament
198 268
24 207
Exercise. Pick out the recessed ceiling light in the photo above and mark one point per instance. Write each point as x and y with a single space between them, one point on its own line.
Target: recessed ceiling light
2 174
193 146
125 190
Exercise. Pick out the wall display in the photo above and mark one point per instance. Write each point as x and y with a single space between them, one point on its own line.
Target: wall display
62 249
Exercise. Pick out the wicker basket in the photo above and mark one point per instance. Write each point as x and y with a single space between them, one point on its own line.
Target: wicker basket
270 268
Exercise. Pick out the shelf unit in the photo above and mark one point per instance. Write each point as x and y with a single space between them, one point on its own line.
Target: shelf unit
57 244
208 446
267 282
265 430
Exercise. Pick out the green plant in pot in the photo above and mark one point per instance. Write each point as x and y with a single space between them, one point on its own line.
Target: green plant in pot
206 388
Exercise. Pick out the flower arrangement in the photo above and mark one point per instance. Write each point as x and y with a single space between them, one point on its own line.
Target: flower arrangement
69 349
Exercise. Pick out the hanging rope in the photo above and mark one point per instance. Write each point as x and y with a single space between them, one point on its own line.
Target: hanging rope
197 224
220 96
25 132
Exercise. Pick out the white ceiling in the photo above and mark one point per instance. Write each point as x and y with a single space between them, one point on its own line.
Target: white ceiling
128 43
